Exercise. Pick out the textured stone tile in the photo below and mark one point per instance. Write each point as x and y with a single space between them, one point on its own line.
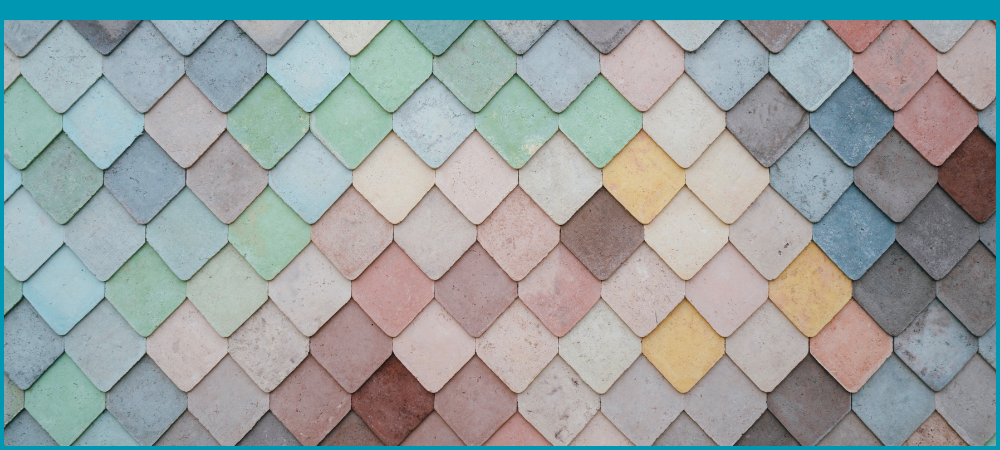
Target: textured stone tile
104 236
309 66
392 66
775 34
350 123
942 34
727 178
936 121
392 402
855 233
642 403
600 347
144 179
968 64
62 67
434 347
186 347
813 65
433 122
857 34
517 432
894 402
144 67
104 346
63 401
516 123
11 291
309 291
520 35
30 236
477 66
851 347
187 431
226 179
184 123
770 234
62 179
606 35
146 402
560 291
686 234
559 66
433 431
517 347
22 35
353 35
352 234
937 234
969 402
104 35
935 431
269 234
684 122
600 122
24 430
895 177
602 234
644 65
227 402
728 64
29 124
767 121
267 432
309 179
767 347
351 347
63 291
969 291
172 234
558 403
851 431
809 402
437 35
393 290
684 347
988 347
894 290
560 179
811 291
475 291
601 432
226 66
767 431
30 345
684 432
643 284
518 234
727 290
968 176
689 34
896 64
13 400
475 403
725 403
105 431
267 123
227 291
103 124
852 122
11 179
988 234
350 432
988 121
393 179
270 35
310 403
643 178
475 178
186 35
268 347
811 177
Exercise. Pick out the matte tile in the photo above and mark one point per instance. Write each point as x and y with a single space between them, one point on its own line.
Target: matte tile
227 291
435 234
24 430
727 178
852 121
560 179
433 122
894 290
186 35
642 404
63 401
353 35
392 402
967 176
767 431
268 432
104 346
602 234
895 177
809 402
393 179
811 291
62 179
104 35
105 431
22 35
517 347
437 35
267 123
227 402
186 347
434 347
643 284
894 402
475 291
270 35
520 35
30 345
558 403
309 66
30 236
477 66
936 121
475 178
393 290
813 65
767 347
103 235
433 431
604 34
351 234
969 291
728 64
12 293
350 432
309 291
392 66
643 178
689 34
988 347
600 122
226 179
601 432
268 347
518 235
11 179
29 124
226 66
171 234
517 431
559 66
684 347
102 123
146 402
811 177
144 67
767 121
475 403
968 64
851 347
896 64
727 290
644 65
184 123
942 34
988 234
516 122
935 431
851 431
969 402
770 234
187 431
988 120
350 123
309 179
13 400
857 34
269 234
351 347
775 34
63 291
686 234
310 403
62 67
855 233
600 347
725 403
560 291
144 179
937 234
684 432
684 122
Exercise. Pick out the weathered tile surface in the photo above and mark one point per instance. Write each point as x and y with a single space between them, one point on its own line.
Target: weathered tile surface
725 404
433 122
560 290
435 234
63 291
727 290
103 235
350 123
172 234
62 67
187 431
767 121
227 291
935 431
184 123
600 122
29 124
104 347
309 179
689 34
559 66
309 66
476 178
896 64
767 431
894 290
686 234
226 179
144 66
968 176
25 430
267 122
62 179
393 290
857 34
353 35
968 64
437 35
352 234
351 347
517 347
811 291
605 35
643 178
643 284
850 431
475 291
352 431
309 291
63 401
518 235
226 66
517 431
13 400
969 292
936 121
22 35
269 234
684 432
642 404
12 292
227 402
813 64
186 35
936 346
520 35
937 234
559 178
393 178
102 123
684 121
433 431
601 432
809 402
852 121
144 179
392 66
942 34
11 179
969 402
516 122
310 403
988 347
727 178
392 402
767 347
811 177
268 347
602 234
30 236
728 64
854 234
434 347
851 347
558 403
684 347
770 234
600 347
104 35
644 65
988 120
105 431
186 347
30 345
895 177
894 402
146 402
475 403
267 432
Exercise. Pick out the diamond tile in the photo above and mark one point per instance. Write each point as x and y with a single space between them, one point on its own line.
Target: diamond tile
683 347
684 431
725 403
270 35
969 292
896 64
811 177
775 34
600 432
770 234
105 431
811 291
144 67
642 403
809 402
350 123
935 431
11 179
268 347
520 35
104 35
104 346
894 290
184 123
475 291
171 234
559 66
854 234
11 291
22 35
852 121
600 347
968 403
767 431
393 179
267 123
517 347
851 347
63 401
309 66
433 122
988 347
392 66
309 291
937 234
30 346
813 65
29 124
393 290
351 431
477 66
475 403
434 347
894 402
351 347
936 346
689 34
643 284
186 35
63 291
433 431
968 64
62 179
936 121
602 234
558 403
942 34
187 431
309 179
600 122
560 179
227 291
988 121
857 34
767 121
104 235
145 402
392 402
24 430
227 402
517 431
269 234
518 235
895 177
560 291
727 290
13 400
353 35
62 67
352 234
684 122
988 234
851 431
644 65
728 64
604 34
516 123
103 124
727 178
186 347
967 176
475 178
686 234
268 432
437 35
767 347
226 66
144 179
226 179
29 235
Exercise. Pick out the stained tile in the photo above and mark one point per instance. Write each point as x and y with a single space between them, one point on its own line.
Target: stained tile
988 121
894 402
558 403
517 347
601 432
852 121
560 291
894 290
811 177
392 402
936 346
393 179
969 402
350 123
63 291
226 66
644 66
144 179
767 121
146 402
605 35
171 234
270 35
689 34
968 176
767 431
105 431
62 67
936 121
269 234
560 179
268 347
851 431
186 347
775 34
895 177
104 35
350 432
684 122
684 432
63 401
103 235
226 179
103 124
62 179
520 35
186 35
144 67
725 403
988 347
727 290
393 290
896 64
516 123
857 34
475 403
30 236
767 347
988 234
935 431
184 123
11 179
352 234
24 430
559 66
104 346
851 347
518 235
942 34
433 122
475 291
643 284
517 432
937 234
475 178
267 123
29 124
309 66
969 292
30 345
434 347
22 35
310 403
770 234
392 66
854 234
642 403
811 291
809 402
309 291
437 35
227 291
684 347
13 400
268 432
969 62
351 347
477 66
686 234
728 64
727 178
433 431
227 402
11 291
602 234
353 35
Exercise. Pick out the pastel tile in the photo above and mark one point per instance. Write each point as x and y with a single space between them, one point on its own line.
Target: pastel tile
24 430
605 35
727 290
601 432
854 234
767 431
268 347
642 404
393 179
62 67
600 122
643 284
775 34
725 403
13 400
560 178
353 35
517 347
520 35
559 66
63 401
184 123
63 291
269 234
30 236
144 66
558 403
227 291
62 179
811 177
967 176
727 178
942 34
105 431
392 402
988 120
811 291
684 431
475 403
350 123
172 234
600 347
560 291
935 431
270 35
936 346
894 290
850 431
226 179
988 347
475 291
686 234
433 431
29 124
226 66
969 62
689 34
433 122
351 347
516 122
23 35
104 236
104 35
478 65
352 431
894 402
227 402
393 290
186 35
267 123
851 347
144 291
309 179
937 234
352 234
102 123
643 178
936 121
770 234
187 431
683 347
146 403
267 432
684 122
728 64
104 346
517 431
644 65
967 403
309 66
969 292
144 179
852 121
11 291
896 64
767 121
767 347
392 66
518 235
11 179
813 64
857 34
809 402
895 177
437 35
309 291
30 345
475 178
434 347
186 347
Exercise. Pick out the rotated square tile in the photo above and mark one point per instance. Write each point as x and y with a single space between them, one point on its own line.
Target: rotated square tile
559 66
854 234
172 234
770 234
606 35
105 431
433 122
988 121
104 235
643 178
988 346
686 234
22 35
517 347
63 291
684 432
104 35
350 432
857 34
62 67
560 178
24 430
475 403
187 431
942 34
767 121
269 234
268 347
227 402
937 233
392 402
809 402
727 178
852 122
437 35
895 177
63 401
896 64
725 403
936 121
475 291
643 284
393 290
689 34
352 234
811 291
11 291
29 124
146 402
475 178
227 291
967 65
684 347
144 179
103 124
851 347
851 431
392 66
969 402
309 66
11 179
186 347
268 432
310 403
767 431
186 35
104 346
270 35
988 234
811 177
602 234
226 179
477 66
350 123
936 346
309 179
13 400
727 290
353 35
968 176
351 347
558 403
970 292
393 179
813 65
935 431
644 66
600 122
309 291
144 291
30 236
642 403
185 123
520 35
516 123
894 290
62 179
434 347
517 432
144 67
894 402
267 123
600 347
560 291
767 347
775 34
600 432
433 431
226 66
684 121
518 234
30 345
728 64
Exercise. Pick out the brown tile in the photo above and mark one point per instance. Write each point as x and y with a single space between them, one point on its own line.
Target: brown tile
767 431
809 402
774 34
352 234
351 432
351 347
518 234
517 432
393 290
310 402
226 178
935 431
560 291
392 402
475 291
475 403
969 175
432 432
858 34
602 234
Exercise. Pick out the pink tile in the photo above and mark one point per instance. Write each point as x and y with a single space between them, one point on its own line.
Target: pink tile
393 290
518 234
310 403
186 347
936 121
475 178
352 234
517 432
727 291
644 65
434 347
896 64
475 291
475 403
560 291
351 347
971 65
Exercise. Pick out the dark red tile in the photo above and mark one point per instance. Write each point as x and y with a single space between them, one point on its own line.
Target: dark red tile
969 175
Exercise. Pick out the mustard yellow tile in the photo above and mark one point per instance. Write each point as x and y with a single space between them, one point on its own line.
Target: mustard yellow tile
684 347
643 178
811 290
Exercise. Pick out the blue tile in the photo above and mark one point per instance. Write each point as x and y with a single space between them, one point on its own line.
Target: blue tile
309 66
855 233
63 291
144 179
102 123
30 235
310 179
11 179
852 121
811 177
894 402
105 432
936 346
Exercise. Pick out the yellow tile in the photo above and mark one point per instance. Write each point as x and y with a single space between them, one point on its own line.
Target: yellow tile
811 291
643 178
684 347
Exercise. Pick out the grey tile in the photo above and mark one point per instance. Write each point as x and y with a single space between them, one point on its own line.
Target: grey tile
809 402
895 176
969 403
25 431
29 345
104 35
226 66
728 64
146 402
144 67
520 35
104 346
144 179
268 432
186 35
894 290
938 233
684 432
604 34
970 290
20 36
559 66
187 431
935 346
767 121
767 431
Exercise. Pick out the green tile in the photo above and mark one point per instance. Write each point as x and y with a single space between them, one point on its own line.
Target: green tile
437 35
64 401
62 179
392 66
600 122
517 123
11 291
145 291
476 66
350 123
13 400
29 123
269 234
267 122
227 291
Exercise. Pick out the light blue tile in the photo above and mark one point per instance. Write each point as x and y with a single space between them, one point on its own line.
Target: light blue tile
811 177
310 179
728 64
309 66
11 179
936 346
855 233
852 121
63 291
813 64
102 123
433 122
559 66
30 235
105 432
894 402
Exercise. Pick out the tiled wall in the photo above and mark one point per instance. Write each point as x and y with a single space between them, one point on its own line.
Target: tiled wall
499 232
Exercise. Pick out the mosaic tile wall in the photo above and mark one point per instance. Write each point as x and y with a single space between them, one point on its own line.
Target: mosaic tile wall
499 232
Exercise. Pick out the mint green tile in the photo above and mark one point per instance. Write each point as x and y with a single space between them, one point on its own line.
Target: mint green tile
992 442
392 66
269 234
516 123
227 291
106 431
62 179
145 291
437 35
476 66
350 123
64 401
11 291
29 124
600 122
267 122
